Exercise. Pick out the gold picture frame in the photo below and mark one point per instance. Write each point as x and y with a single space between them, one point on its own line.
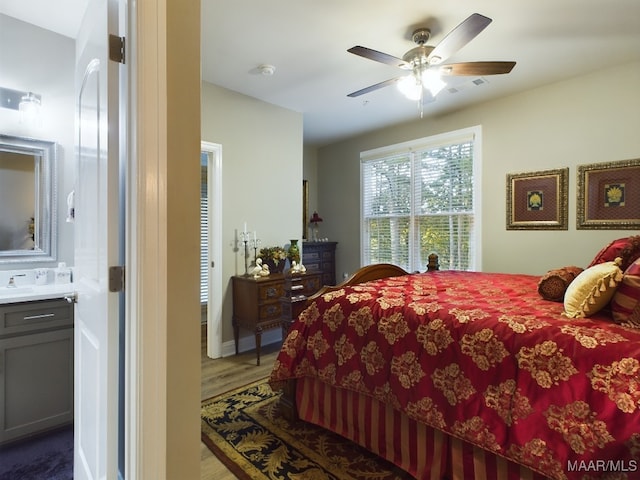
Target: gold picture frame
538 200
609 196
305 209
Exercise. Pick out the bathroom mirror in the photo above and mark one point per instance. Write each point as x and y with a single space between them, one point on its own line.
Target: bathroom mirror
27 200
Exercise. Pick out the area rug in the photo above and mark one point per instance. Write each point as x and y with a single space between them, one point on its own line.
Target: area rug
244 428
47 457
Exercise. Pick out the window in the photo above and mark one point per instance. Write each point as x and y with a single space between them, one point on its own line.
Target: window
421 197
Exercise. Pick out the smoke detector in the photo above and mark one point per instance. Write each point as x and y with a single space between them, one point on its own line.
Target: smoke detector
266 70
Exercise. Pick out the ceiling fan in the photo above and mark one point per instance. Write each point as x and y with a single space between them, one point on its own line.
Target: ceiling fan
425 62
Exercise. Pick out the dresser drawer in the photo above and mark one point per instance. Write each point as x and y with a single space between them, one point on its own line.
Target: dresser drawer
311 285
270 311
320 257
313 267
270 292
311 256
29 317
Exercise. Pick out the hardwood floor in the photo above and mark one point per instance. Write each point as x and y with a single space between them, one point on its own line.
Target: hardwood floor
220 376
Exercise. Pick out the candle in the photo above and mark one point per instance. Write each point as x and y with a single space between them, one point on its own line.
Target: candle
255 237
245 228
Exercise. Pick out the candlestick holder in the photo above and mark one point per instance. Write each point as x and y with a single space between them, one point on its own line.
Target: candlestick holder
244 238
255 244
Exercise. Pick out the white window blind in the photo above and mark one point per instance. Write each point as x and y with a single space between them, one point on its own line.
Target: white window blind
204 230
419 198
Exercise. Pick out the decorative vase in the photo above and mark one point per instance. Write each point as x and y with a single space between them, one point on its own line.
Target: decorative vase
275 267
294 252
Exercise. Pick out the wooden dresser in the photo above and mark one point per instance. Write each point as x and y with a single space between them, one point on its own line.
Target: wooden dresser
258 303
320 257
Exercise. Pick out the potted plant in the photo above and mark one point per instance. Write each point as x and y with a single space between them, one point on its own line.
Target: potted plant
274 257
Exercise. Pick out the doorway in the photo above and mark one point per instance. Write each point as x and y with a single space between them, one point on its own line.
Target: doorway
211 244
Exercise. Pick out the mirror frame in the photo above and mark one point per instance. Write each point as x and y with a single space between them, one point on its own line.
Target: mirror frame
45 153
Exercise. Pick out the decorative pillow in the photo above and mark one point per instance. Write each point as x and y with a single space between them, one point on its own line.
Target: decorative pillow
628 249
592 289
555 282
625 305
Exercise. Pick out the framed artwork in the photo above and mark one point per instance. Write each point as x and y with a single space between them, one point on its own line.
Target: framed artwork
305 209
538 200
609 195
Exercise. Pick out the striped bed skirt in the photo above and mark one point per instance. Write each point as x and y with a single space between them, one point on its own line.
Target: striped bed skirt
426 453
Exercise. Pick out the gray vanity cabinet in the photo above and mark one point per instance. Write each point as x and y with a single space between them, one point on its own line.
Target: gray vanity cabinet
36 367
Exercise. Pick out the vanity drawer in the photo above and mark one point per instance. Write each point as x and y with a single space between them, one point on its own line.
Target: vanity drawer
29 317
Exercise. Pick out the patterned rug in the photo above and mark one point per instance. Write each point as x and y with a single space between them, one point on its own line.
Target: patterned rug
245 430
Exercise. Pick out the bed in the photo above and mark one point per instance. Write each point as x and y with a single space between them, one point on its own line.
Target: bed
461 375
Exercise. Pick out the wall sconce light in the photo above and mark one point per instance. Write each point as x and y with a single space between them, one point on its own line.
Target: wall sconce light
27 103
29 108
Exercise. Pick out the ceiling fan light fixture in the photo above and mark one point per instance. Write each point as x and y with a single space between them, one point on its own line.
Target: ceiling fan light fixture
410 87
426 62
432 81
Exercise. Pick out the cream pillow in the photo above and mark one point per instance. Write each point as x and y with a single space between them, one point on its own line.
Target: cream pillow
592 290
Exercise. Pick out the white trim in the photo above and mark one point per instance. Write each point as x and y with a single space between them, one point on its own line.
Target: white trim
146 399
477 195
248 343
433 141
214 302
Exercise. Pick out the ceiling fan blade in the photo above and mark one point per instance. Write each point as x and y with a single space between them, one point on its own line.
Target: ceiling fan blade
459 37
476 68
377 86
378 56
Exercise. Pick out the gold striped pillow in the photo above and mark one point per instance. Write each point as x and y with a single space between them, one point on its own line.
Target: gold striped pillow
625 305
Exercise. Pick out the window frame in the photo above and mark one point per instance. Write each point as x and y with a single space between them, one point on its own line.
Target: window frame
473 134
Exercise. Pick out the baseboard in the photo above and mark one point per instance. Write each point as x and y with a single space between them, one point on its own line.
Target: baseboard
246 343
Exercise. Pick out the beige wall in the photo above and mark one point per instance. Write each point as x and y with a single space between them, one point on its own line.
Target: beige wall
261 176
589 119
182 236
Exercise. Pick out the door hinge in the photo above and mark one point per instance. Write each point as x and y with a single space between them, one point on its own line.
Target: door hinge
116 278
116 48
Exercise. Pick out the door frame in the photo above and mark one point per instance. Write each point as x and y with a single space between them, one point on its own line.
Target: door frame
214 301
162 351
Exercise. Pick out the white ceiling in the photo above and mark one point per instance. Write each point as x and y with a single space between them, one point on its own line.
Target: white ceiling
307 42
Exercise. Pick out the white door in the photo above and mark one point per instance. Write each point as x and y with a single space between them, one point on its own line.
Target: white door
96 246
213 152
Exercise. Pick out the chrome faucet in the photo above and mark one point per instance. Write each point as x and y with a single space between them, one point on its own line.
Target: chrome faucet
12 280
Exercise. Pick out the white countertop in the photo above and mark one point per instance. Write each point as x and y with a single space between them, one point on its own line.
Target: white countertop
28 293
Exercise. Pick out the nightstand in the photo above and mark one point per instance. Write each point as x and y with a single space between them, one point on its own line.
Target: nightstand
257 302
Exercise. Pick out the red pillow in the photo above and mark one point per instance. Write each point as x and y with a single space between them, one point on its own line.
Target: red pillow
625 304
627 248
555 282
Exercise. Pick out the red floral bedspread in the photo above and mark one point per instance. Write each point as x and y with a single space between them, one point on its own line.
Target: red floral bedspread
483 358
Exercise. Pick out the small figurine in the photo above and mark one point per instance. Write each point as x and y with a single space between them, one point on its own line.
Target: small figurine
265 271
255 271
297 267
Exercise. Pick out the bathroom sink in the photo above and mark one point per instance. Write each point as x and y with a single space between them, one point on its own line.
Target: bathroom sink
29 292
8 292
